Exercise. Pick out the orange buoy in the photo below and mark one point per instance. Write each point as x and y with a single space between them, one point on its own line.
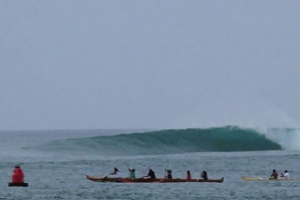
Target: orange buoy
17 178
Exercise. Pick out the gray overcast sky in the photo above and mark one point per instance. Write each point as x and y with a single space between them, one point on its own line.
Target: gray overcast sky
149 64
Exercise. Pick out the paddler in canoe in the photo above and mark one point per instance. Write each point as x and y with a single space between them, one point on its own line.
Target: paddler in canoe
274 174
114 174
188 175
131 173
285 175
150 175
169 174
203 176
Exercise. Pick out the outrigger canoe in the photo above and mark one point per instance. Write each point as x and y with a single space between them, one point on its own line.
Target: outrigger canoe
179 180
104 179
245 178
158 180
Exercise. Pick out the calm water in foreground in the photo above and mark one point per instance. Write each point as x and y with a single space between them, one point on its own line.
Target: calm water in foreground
62 176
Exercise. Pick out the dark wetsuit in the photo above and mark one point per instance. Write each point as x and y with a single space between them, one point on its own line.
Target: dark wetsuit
204 175
151 174
169 174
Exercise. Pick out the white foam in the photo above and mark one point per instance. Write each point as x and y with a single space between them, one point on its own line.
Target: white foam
289 139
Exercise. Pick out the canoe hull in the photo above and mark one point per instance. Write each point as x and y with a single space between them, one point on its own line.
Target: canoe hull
158 180
192 180
246 178
142 180
102 179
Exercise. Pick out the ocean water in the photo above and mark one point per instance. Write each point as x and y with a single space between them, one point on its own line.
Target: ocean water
55 163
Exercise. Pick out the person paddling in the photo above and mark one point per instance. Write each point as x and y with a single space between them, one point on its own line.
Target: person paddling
131 173
151 174
115 172
204 175
274 174
169 174
286 174
188 175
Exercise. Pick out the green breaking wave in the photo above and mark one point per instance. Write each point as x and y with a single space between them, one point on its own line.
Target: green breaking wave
220 139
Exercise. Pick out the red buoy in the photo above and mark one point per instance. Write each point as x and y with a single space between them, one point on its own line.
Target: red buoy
17 178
